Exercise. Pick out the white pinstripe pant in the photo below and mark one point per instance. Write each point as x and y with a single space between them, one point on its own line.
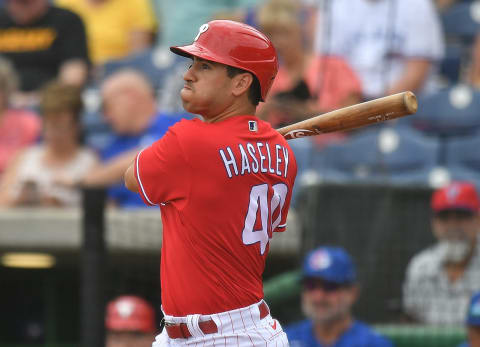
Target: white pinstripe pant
237 328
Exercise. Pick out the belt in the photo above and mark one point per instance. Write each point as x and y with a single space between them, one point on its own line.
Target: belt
180 330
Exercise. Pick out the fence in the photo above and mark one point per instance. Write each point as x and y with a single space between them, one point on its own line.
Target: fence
381 226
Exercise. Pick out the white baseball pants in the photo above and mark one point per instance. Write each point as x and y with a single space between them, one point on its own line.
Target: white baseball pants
237 328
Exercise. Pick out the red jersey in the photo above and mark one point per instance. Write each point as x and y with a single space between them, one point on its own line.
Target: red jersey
223 188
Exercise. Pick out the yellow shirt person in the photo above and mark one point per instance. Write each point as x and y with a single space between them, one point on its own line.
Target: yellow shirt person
115 28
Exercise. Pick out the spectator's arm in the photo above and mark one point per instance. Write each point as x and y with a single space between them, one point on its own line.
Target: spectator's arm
475 70
8 180
74 71
413 77
110 172
140 40
73 51
143 26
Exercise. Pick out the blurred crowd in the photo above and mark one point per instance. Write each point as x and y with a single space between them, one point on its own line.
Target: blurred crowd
85 84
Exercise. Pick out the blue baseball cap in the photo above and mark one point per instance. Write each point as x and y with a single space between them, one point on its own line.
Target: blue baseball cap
473 317
330 264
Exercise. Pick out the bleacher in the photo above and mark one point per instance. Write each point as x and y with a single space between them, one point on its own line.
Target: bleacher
439 144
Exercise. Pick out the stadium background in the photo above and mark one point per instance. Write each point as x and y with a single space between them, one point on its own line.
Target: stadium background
375 203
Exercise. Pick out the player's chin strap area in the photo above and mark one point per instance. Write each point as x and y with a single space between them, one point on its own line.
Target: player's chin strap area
194 327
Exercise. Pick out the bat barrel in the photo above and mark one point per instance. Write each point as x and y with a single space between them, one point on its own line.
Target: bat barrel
410 101
355 116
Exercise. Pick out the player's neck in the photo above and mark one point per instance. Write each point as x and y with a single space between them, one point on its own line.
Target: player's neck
235 110
328 333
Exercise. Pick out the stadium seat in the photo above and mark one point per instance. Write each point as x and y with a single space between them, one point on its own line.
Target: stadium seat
352 161
304 150
462 158
450 111
450 65
382 155
462 21
412 159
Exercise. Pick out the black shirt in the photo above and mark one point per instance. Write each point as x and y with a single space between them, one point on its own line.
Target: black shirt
37 50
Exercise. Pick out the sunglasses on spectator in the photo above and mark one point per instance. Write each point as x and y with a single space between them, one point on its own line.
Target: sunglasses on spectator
457 214
327 286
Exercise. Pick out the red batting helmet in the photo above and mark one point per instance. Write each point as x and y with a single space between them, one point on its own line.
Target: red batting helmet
238 45
130 313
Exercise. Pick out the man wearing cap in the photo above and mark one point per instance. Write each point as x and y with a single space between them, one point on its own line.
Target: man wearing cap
473 322
329 290
440 279
130 322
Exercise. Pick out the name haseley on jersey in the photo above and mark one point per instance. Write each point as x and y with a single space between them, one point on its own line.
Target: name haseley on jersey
254 158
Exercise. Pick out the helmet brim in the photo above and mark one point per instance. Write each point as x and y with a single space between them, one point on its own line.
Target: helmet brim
193 50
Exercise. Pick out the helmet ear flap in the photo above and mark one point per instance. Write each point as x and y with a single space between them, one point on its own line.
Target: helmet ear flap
238 45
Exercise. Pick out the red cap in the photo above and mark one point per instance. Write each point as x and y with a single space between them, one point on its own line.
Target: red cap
456 196
130 313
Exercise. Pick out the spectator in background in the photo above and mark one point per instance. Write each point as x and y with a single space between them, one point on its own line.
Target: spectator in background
18 127
393 45
43 42
330 289
115 28
473 322
443 5
179 20
440 279
474 73
129 107
330 81
33 176
129 322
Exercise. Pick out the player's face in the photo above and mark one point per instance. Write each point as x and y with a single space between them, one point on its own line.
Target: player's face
129 339
207 88
327 302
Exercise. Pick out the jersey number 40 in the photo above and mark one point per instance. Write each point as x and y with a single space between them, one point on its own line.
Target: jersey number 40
268 209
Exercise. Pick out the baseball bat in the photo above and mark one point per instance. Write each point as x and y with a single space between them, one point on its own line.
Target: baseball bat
355 116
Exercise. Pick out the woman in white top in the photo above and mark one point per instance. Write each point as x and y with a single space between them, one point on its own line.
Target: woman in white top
34 177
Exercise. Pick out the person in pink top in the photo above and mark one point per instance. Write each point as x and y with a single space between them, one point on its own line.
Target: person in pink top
223 185
18 128
331 82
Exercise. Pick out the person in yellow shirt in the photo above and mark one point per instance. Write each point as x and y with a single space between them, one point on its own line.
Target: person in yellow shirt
115 28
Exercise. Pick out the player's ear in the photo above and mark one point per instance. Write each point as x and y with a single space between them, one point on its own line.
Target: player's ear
241 83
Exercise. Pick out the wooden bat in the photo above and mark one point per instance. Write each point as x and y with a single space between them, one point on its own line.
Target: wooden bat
355 116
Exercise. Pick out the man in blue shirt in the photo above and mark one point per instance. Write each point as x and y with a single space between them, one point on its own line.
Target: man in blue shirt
128 104
329 291
473 322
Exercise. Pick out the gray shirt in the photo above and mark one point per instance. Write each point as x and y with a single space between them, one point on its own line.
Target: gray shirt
430 297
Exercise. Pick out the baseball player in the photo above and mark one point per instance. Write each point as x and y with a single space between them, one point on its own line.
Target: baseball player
224 186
